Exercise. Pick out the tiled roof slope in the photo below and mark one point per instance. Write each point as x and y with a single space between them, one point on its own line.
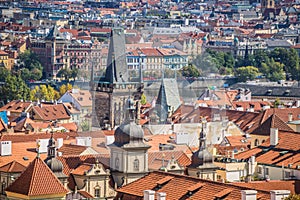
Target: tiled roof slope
37 180
12 167
53 112
180 156
272 122
284 153
179 186
291 185
16 138
250 122
16 106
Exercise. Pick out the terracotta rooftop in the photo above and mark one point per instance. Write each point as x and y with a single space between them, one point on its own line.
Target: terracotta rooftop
291 185
32 181
16 106
71 149
12 167
256 105
178 186
155 158
82 169
72 162
21 138
51 112
283 154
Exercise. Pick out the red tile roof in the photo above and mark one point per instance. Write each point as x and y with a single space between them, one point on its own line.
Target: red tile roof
16 106
82 169
283 154
291 185
21 138
178 186
32 181
71 149
51 112
12 167
155 158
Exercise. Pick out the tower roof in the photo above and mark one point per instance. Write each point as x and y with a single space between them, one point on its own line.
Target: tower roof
36 180
116 69
54 34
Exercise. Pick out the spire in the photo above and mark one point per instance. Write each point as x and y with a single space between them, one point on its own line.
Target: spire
202 138
116 70
51 147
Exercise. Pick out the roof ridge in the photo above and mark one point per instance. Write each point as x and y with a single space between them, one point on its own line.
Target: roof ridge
11 165
33 174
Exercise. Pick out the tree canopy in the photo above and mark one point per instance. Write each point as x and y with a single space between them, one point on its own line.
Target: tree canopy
29 67
14 88
44 92
246 73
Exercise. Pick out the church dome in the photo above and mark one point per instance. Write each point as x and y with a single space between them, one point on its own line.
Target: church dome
201 157
54 164
128 132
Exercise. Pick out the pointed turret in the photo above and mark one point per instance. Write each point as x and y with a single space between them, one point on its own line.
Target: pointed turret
117 69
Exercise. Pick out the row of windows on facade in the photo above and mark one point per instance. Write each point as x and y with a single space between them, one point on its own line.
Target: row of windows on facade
136 60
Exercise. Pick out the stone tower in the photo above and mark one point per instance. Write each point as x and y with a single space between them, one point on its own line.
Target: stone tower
202 165
112 90
128 153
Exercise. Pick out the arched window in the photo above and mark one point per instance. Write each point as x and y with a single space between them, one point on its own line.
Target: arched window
256 143
136 164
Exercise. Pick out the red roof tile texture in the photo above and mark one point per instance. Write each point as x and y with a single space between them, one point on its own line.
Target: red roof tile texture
293 185
51 112
13 167
178 187
32 181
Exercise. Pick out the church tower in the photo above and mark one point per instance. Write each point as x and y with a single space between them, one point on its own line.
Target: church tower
53 163
128 153
202 165
112 90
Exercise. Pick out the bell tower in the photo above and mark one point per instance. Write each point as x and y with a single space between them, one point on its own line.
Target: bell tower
128 153
112 90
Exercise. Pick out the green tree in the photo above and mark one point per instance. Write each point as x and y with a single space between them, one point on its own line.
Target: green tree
64 73
277 103
74 73
64 88
29 61
14 89
190 71
44 92
3 73
143 99
246 73
273 70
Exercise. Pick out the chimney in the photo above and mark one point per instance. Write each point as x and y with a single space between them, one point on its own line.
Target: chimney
273 136
161 196
290 117
279 194
149 195
249 194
